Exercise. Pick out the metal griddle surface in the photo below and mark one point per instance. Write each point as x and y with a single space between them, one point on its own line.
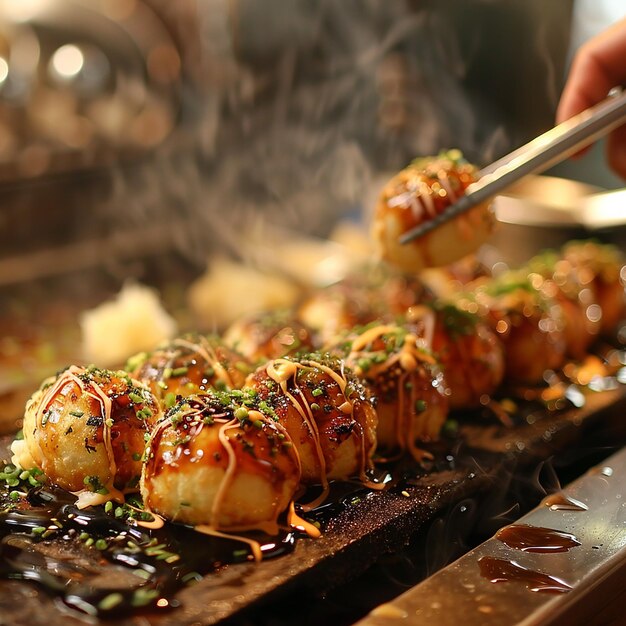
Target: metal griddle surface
593 570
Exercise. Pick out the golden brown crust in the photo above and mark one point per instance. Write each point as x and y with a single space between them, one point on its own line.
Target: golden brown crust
215 461
416 195
190 364
85 429
326 412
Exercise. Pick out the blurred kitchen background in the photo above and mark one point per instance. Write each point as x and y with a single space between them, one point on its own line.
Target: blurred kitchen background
147 123
140 137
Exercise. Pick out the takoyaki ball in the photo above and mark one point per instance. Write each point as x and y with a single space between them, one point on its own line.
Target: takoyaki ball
85 430
469 351
394 292
528 322
416 195
326 411
404 376
581 313
605 267
446 281
328 311
189 364
216 461
268 336
373 293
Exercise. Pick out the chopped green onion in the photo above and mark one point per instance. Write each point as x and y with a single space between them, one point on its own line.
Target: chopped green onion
111 601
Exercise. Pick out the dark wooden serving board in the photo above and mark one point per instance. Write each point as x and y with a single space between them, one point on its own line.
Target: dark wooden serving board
380 523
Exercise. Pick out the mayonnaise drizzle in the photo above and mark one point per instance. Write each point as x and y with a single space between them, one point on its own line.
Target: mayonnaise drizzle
445 182
418 186
71 375
213 527
295 521
283 370
413 352
370 335
255 546
207 352
229 473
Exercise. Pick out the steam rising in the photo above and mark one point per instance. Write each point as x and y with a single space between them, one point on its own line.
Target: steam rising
301 105
295 113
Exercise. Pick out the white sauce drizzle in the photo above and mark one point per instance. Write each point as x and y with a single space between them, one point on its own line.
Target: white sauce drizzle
422 184
409 357
442 176
208 353
213 527
255 546
230 470
295 521
282 370
71 375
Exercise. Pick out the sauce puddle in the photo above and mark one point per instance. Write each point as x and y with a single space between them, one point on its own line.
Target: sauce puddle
536 539
561 502
501 570
48 540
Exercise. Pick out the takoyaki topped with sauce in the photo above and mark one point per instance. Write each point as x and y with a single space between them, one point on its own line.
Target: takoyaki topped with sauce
268 336
327 412
220 460
528 322
469 351
85 430
189 364
419 193
404 376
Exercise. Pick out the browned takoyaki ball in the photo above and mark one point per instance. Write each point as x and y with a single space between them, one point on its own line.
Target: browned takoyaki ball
217 461
326 411
376 292
404 376
416 195
268 336
575 294
328 311
528 322
469 351
85 430
603 267
189 364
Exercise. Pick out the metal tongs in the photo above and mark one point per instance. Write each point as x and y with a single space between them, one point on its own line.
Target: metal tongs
536 156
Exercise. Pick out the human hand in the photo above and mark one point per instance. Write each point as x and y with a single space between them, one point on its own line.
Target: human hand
598 66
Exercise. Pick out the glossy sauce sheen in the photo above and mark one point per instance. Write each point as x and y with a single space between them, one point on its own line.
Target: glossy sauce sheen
562 502
69 578
419 192
501 570
410 389
536 539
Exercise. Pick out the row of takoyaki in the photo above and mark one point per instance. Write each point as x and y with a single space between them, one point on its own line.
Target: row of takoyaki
228 459
223 433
